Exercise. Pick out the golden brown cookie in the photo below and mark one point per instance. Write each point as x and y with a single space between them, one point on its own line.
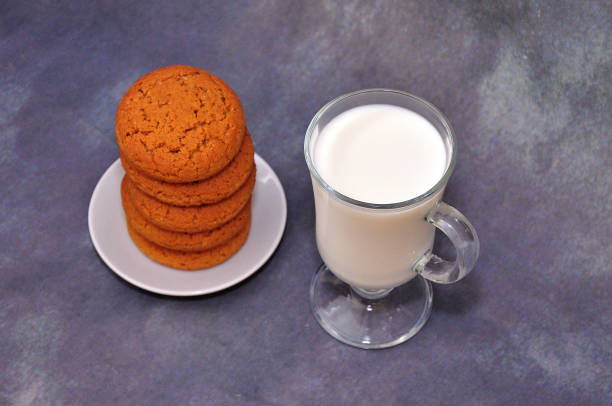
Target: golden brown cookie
210 190
190 219
179 124
178 240
190 260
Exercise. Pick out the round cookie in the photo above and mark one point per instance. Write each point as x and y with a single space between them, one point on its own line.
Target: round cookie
190 260
178 240
190 219
210 190
179 124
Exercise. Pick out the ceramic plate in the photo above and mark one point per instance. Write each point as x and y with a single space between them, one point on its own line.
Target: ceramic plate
109 234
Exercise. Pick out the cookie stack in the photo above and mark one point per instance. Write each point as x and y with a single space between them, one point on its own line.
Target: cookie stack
189 164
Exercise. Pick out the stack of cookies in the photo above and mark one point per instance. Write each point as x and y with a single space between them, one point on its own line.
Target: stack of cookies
189 164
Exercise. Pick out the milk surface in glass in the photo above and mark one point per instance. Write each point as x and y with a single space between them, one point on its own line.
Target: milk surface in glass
376 154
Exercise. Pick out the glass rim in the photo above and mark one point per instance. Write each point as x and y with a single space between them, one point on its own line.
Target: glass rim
434 189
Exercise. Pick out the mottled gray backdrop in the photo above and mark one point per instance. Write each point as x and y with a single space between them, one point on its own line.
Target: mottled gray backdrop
527 87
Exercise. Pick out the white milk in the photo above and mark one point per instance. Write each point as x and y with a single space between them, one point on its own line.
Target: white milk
376 154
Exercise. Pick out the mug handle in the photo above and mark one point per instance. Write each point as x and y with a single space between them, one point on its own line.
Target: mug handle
463 236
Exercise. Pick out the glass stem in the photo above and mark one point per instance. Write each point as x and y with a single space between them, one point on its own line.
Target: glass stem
371 294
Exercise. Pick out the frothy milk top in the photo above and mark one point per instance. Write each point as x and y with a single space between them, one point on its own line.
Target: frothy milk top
379 153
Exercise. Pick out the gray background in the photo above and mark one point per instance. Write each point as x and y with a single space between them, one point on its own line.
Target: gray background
527 87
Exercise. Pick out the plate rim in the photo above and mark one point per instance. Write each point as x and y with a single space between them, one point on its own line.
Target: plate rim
198 292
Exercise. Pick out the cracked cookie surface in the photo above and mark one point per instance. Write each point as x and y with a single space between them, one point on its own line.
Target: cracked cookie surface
179 124
190 260
190 219
211 190
179 240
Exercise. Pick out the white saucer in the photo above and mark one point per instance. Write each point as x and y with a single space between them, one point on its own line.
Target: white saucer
109 234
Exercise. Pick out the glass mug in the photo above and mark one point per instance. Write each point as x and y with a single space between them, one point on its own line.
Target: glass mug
373 289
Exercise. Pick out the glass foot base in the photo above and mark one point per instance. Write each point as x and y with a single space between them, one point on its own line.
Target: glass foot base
367 322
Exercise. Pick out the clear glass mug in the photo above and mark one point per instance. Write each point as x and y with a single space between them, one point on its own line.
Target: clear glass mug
373 289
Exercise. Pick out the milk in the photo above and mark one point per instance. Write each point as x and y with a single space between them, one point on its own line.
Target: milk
376 154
